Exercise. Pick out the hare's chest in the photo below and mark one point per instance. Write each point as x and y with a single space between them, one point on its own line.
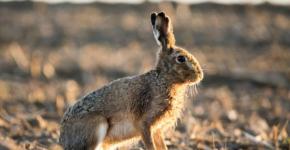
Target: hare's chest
170 114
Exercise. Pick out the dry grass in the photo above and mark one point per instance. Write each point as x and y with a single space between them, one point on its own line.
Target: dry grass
50 55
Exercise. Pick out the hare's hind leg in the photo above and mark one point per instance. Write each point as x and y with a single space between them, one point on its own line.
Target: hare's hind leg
87 133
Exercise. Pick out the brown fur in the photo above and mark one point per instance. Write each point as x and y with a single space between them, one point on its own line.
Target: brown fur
135 107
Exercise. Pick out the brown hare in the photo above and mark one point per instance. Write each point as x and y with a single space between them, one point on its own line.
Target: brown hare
137 107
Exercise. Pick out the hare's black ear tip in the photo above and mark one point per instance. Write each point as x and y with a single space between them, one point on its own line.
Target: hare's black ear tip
153 18
153 14
161 14
167 19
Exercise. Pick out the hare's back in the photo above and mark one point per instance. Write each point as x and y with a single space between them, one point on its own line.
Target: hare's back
112 98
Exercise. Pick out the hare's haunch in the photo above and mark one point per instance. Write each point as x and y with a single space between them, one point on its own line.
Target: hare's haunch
137 107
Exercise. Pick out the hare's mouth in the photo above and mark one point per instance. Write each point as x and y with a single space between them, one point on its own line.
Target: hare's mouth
197 77
195 81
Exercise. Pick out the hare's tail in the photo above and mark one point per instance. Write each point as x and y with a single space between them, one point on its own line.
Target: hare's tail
86 133
101 134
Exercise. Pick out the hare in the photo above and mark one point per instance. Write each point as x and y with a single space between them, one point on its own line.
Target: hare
136 107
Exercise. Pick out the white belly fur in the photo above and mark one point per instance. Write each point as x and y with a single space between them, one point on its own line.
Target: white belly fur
122 129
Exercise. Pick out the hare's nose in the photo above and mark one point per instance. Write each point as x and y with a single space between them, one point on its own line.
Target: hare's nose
199 73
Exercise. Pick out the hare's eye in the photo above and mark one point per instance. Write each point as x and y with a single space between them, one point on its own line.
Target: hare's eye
180 59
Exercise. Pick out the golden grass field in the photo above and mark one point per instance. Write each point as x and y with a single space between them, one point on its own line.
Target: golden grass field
51 55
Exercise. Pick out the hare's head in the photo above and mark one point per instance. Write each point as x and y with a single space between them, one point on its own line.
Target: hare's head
177 63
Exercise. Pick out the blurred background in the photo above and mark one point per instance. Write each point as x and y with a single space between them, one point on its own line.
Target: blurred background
51 54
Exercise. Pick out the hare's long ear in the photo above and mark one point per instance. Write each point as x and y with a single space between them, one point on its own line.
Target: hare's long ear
162 30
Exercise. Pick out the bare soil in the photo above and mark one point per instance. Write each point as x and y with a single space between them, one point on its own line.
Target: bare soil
50 55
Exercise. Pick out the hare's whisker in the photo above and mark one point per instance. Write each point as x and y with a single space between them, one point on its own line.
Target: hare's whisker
195 89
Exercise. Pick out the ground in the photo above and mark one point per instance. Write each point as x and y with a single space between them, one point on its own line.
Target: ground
50 55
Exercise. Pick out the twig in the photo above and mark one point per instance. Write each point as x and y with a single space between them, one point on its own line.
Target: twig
257 141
